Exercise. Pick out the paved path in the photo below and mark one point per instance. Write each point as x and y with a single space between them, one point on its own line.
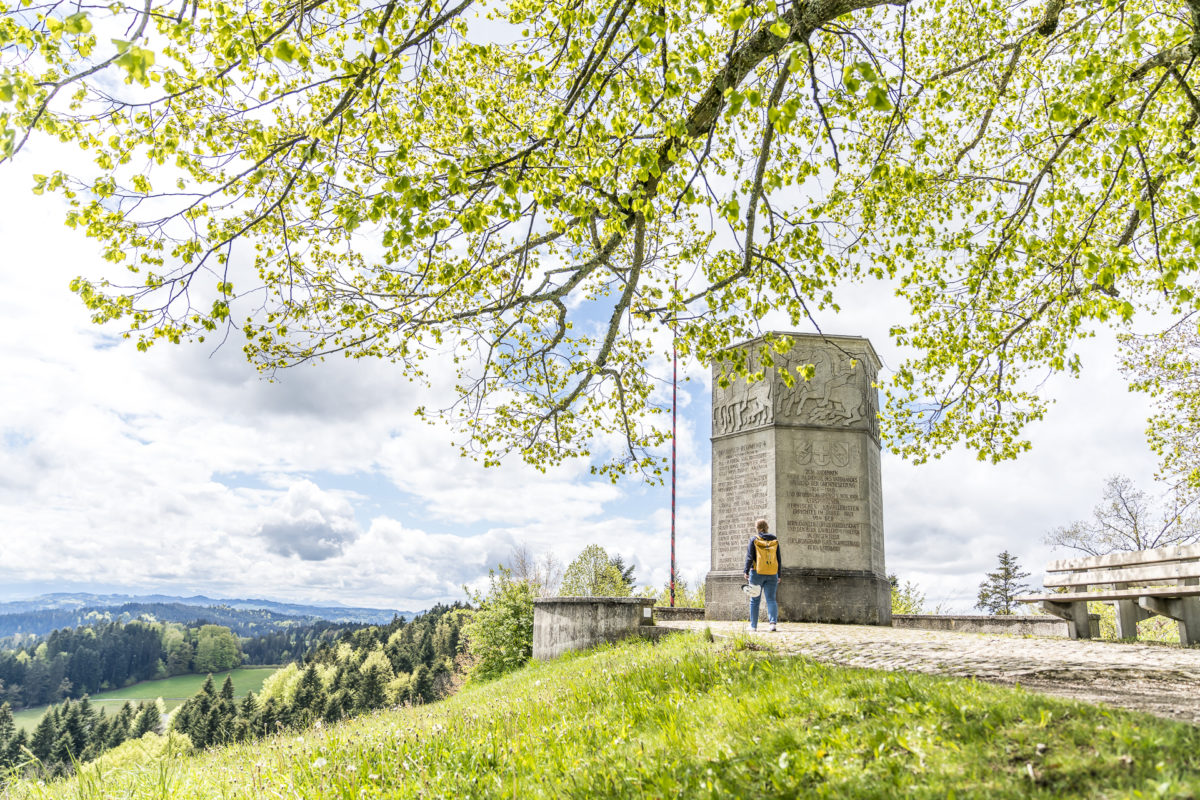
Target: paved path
1162 680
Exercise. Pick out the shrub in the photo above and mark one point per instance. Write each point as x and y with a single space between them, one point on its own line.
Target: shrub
907 599
500 633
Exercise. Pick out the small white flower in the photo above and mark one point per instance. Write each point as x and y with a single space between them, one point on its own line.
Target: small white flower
320 762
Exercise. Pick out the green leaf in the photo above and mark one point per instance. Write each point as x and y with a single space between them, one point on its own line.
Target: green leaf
877 98
77 24
136 61
781 29
737 18
285 50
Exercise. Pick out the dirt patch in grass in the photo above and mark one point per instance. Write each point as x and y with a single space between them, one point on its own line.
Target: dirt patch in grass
1176 700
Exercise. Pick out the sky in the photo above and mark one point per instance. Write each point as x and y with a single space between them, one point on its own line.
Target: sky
182 471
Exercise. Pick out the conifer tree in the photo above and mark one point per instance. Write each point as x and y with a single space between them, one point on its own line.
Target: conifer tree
44 737
218 726
626 571
61 754
422 685
6 726
148 720
245 724
270 717
121 726
99 736
341 701
309 701
88 713
73 727
372 692
15 753
998 590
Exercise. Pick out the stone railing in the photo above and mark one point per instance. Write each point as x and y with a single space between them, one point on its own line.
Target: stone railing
1018 625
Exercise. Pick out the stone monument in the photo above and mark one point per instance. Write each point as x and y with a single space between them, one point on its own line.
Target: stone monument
806 458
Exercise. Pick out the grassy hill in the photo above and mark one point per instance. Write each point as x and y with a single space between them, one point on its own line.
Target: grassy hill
690 718
172 690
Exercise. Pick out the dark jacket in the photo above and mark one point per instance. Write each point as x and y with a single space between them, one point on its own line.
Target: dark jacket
750 554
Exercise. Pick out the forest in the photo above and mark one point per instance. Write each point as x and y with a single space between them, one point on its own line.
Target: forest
358 670
404 663
74 731
73 662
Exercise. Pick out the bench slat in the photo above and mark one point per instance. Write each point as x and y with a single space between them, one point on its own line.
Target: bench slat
1111 594
1156 572
1135 558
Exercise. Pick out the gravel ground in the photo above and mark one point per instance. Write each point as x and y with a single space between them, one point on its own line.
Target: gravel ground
1159 679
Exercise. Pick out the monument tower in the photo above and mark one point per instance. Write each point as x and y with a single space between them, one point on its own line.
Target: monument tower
805 457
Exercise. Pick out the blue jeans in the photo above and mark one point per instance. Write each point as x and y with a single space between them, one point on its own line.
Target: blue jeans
769 584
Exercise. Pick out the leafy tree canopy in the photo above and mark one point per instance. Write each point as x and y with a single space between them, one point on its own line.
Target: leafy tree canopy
1167 365
521 184
593 574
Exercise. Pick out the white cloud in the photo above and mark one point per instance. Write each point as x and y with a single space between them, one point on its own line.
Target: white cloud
309 523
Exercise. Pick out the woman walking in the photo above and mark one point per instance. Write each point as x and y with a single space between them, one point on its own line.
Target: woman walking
763 565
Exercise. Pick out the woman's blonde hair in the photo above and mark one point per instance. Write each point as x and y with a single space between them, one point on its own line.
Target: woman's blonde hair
761 526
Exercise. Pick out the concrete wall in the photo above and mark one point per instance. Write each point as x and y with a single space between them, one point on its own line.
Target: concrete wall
1032 625
667 614
562 624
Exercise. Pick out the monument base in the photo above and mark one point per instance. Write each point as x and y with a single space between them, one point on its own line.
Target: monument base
806 595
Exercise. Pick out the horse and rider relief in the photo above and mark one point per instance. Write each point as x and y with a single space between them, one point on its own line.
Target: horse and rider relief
833 396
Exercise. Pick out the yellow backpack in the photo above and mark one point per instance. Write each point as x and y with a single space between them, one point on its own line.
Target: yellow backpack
766 556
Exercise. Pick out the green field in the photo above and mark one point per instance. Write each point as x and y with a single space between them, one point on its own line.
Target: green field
173 691
687 718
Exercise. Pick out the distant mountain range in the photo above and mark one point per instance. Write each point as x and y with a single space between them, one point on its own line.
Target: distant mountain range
40 615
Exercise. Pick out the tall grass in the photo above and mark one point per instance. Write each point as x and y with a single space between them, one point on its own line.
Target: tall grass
690 718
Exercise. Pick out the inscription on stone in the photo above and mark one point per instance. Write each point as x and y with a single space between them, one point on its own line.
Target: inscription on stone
741 474
825 509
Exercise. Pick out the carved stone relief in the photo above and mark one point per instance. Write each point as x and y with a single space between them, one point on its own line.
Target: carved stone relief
824 454
742 406
833 396
838 395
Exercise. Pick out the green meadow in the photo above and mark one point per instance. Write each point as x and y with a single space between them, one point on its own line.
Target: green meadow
172 690
691 718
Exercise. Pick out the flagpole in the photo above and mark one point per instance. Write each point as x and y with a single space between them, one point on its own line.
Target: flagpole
674 389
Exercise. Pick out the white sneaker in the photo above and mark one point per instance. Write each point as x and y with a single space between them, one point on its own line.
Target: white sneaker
751 629
772 627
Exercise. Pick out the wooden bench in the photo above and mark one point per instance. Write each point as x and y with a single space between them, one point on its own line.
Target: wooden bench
1164 581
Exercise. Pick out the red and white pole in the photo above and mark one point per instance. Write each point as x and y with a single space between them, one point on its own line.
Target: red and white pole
674 387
